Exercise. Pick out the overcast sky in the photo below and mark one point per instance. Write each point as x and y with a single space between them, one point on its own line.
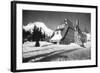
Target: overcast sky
53 19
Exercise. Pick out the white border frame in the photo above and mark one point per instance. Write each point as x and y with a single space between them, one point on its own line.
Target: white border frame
23 66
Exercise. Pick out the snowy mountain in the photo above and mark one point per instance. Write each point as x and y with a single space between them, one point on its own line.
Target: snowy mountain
44 29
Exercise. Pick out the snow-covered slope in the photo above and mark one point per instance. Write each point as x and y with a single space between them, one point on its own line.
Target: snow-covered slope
45 29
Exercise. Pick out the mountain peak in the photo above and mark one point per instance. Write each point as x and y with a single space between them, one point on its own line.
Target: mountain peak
29 27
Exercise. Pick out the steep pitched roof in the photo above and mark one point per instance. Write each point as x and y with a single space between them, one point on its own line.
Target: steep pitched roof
68 25
78 28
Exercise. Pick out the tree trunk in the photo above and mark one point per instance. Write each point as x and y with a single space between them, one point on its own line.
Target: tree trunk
37 44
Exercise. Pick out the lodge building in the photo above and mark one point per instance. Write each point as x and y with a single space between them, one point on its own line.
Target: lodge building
69 33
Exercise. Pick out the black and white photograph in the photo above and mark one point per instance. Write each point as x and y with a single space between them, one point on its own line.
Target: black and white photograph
56 36
48 36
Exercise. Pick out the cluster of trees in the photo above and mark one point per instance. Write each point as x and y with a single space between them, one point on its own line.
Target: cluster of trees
36 35
26 36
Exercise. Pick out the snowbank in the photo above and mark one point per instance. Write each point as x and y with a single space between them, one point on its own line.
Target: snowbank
29 51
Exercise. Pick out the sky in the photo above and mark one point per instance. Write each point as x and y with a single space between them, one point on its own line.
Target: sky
53 19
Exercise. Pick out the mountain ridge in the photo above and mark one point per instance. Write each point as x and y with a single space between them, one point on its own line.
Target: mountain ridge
44 29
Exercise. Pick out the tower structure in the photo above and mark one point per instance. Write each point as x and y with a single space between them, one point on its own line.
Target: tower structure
77 33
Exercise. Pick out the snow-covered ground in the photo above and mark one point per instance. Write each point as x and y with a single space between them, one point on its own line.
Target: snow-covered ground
29 49
30 46
47 49
87 44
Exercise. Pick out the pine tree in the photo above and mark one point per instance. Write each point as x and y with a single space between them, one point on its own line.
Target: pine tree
44 36
40 34
26 35
37 35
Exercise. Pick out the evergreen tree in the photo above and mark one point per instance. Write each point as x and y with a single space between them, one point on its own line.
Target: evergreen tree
34 36
44 36
37 35
26 35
